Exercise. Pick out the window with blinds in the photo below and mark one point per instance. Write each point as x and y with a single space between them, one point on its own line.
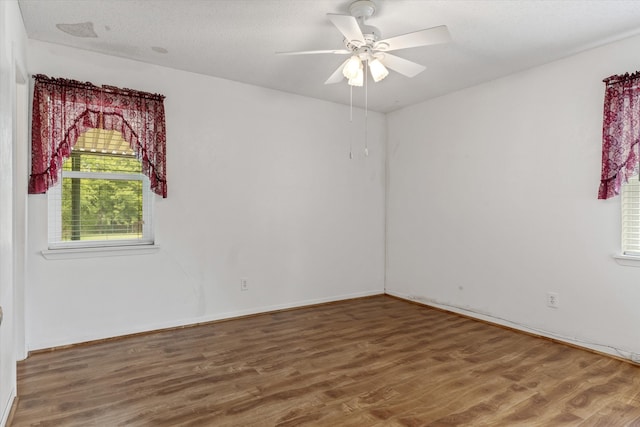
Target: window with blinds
631 217
103 198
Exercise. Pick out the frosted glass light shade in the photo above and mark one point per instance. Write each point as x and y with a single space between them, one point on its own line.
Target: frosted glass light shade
352 67
358 80
378 70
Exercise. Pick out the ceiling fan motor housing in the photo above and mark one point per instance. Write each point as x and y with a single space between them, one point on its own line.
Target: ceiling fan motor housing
371 36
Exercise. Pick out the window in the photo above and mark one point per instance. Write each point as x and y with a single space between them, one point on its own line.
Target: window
631 217
104 199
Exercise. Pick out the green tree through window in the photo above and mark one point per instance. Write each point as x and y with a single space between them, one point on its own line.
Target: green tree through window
101 209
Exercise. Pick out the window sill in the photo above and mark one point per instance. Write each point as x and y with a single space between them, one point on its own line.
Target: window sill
73 253
627 260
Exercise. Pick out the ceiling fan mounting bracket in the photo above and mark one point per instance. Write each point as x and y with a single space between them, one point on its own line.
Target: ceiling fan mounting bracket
362 9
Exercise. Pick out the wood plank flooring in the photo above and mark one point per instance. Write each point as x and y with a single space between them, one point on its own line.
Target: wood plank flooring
376 361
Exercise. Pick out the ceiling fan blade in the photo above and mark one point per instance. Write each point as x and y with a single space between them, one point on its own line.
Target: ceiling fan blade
426 37
312 52
348 26
337 75
400 65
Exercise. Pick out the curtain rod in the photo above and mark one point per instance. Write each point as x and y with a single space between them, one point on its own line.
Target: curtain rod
90 86
622 78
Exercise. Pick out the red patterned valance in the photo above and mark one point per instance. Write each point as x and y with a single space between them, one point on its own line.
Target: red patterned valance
64 109
620 133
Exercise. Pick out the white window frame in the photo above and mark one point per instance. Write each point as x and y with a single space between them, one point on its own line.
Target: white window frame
55 213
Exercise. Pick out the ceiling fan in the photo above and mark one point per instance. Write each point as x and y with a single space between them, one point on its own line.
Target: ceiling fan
362 42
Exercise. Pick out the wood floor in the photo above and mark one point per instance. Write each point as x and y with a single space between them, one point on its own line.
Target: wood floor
370 362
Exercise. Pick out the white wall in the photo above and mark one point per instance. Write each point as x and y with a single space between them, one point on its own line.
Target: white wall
492 203
260 186
12 241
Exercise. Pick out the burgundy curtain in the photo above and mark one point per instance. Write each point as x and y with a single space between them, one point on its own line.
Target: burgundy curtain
64 109
620 133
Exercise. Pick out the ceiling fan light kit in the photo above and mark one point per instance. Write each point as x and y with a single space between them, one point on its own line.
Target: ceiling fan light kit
378 70
352 67
358 79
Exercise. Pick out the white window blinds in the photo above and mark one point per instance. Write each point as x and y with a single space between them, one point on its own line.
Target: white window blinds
631 217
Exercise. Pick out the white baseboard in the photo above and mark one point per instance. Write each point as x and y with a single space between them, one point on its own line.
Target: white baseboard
6 411
489 318
200 319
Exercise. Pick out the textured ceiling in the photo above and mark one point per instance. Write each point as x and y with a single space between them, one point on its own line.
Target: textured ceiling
237 39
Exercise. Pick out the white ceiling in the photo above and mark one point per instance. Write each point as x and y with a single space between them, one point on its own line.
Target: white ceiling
237 39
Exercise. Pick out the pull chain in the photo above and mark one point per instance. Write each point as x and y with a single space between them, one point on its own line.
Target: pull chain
366 107
350 122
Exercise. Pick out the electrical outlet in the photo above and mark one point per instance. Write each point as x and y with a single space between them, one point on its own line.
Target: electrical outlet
244 284
553 300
